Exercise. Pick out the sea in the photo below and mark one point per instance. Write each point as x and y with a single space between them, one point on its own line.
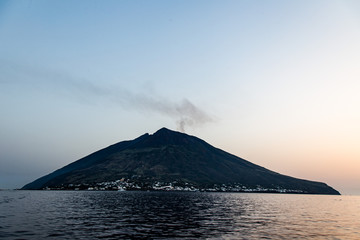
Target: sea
176 215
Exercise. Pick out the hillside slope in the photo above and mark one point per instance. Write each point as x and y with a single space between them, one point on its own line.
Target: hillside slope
168 156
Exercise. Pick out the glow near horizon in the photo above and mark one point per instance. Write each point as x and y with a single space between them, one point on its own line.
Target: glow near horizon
280 79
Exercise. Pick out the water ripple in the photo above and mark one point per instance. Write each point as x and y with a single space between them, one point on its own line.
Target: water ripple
165 215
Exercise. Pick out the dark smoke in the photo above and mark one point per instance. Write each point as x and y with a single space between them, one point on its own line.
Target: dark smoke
190 115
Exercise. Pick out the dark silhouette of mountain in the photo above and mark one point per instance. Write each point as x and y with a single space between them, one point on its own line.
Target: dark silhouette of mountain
169 156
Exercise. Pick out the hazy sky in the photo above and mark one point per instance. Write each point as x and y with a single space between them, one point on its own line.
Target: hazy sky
274 82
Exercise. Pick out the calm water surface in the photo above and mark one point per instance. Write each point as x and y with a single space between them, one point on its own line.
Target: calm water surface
164 215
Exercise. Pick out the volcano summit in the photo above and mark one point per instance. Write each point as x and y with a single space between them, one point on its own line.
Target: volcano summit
173 161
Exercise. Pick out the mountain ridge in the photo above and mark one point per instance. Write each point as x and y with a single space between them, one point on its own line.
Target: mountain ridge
170 156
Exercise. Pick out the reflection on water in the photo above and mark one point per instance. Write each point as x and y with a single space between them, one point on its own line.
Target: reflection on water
154 215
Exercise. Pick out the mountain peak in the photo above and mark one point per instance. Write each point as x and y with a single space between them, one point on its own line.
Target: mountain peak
165 136
164 130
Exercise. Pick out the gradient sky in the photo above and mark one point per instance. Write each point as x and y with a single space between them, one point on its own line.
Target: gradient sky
274 82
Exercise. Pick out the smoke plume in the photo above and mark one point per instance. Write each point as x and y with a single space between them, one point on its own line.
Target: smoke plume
184 113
